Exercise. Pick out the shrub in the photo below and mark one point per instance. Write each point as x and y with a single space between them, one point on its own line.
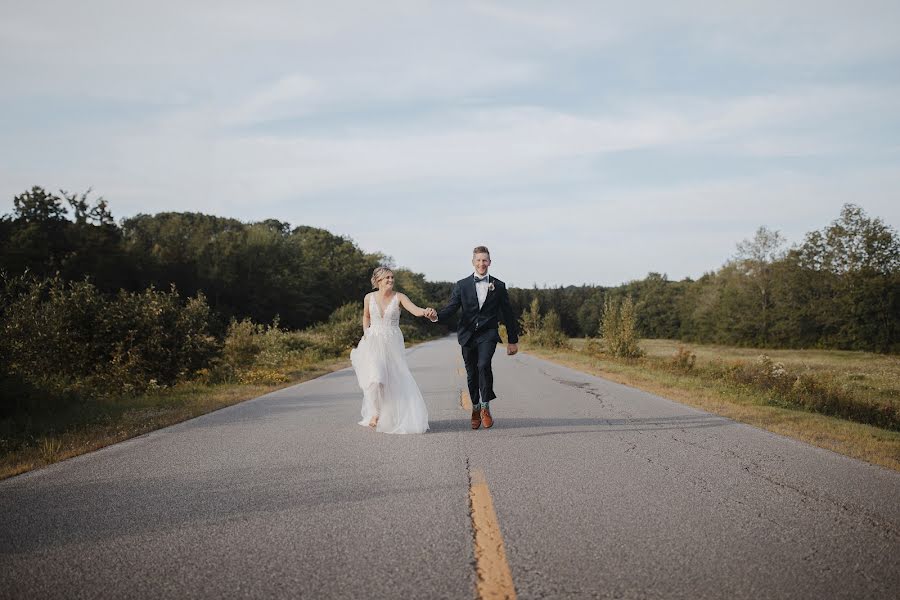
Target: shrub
530 321
341 332
544 331
683 360
817 392
65 336
823 393
256 353
618 326
155 336
551 334
242 344
593 347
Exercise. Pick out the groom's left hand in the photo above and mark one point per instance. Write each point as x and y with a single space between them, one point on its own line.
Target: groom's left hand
512 349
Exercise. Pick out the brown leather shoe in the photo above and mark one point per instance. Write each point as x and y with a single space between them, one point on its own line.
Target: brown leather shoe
476 419
486 418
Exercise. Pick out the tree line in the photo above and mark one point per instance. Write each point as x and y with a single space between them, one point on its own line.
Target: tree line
839 288
256 270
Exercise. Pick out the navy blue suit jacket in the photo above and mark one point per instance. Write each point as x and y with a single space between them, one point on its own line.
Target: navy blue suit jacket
481 323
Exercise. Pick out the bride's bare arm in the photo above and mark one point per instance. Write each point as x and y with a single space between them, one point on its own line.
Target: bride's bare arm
367 318
412 308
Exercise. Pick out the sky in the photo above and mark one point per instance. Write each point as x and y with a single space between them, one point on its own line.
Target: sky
582 142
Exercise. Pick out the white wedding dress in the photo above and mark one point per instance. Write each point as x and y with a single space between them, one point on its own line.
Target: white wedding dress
389 390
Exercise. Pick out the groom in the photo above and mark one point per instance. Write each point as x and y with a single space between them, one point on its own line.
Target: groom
484 303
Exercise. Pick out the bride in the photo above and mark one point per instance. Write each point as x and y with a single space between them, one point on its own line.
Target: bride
392 402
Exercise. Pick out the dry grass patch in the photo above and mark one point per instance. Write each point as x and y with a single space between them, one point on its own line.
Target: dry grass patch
875 376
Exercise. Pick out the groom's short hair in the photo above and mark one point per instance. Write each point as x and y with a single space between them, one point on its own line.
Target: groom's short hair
481 250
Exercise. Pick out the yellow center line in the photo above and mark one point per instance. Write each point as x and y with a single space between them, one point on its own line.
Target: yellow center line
494 576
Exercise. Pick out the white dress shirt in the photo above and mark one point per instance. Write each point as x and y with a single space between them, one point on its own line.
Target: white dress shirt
481 288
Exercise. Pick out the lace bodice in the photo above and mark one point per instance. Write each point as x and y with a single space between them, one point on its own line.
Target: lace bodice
391 318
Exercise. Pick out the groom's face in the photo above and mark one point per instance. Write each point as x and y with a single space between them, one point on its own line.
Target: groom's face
481 262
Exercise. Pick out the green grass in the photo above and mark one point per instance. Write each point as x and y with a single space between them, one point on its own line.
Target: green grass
55 436
864 378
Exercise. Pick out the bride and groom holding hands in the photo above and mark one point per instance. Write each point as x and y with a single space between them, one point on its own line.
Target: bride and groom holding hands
392 402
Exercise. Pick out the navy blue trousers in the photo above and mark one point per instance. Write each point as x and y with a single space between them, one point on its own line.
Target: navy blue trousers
477 358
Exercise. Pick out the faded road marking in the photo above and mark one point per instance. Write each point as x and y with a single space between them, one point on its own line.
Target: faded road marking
494 576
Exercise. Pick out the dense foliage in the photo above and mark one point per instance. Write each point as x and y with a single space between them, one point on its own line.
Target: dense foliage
256 270
838 288
84 316
61 335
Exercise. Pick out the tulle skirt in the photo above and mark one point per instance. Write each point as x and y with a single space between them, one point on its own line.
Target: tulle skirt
389 390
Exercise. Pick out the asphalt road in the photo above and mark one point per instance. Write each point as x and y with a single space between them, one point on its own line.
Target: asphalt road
599 490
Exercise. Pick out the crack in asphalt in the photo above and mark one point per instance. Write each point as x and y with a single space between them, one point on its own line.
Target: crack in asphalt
754 469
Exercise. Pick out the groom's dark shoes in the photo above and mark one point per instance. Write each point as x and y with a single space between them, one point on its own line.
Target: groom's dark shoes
486 418
476 419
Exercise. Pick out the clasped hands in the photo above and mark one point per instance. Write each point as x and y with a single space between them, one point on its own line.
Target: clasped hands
431 315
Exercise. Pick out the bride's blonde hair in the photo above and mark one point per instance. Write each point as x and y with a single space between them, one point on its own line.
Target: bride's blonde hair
378 274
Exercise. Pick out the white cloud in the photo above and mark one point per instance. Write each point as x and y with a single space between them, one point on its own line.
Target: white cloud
679 230
290 96
476 144
515 15
515 114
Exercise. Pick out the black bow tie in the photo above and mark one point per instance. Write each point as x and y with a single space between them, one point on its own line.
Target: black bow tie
478 279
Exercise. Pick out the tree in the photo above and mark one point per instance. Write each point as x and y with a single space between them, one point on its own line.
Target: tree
38 206
36 239
856 262
619 328
853 242
754 263
84 213
656 306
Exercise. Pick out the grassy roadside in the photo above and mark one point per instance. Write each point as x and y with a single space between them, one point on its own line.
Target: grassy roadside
871 375
130 417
